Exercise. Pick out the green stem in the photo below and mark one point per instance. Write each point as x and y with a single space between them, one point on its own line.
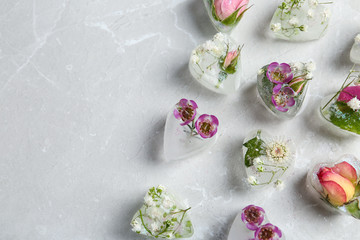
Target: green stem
142 221
182 218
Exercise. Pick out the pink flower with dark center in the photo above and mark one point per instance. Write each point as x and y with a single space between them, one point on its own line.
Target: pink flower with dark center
224 8
349 93
229 58
252 216
268 232
283 97
279 73
206 125
185 110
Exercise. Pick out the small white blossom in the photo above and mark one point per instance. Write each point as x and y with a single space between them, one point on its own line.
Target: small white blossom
209 45
309 76
154 212
149 201
325 15
357 39
275 27
304 28
297 66
252 180
357 81
354 104
293 21
310 66
195 59
258 161
155 226
161 187
310 13
168 202
279 185
136 225
313 3
219 37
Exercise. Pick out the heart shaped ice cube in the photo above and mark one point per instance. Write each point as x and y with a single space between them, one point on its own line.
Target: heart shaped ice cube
267 159
337 185
300 20
252 223
282 87
216 64
162 216
188 133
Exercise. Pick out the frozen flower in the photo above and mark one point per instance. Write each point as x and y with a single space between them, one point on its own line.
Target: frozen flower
149 201
279 184
161 187
313 3
357 39
136 225
283 97
279 73
297 66
185 110
155 226
348 94
206 125
219 37
225 8
278 151
310 13
209 45
310 66
154 212
268 232
275 27
252 216
231 57
354 104
297 84
252 180
357 81
293 21
309 76
168 202
195 59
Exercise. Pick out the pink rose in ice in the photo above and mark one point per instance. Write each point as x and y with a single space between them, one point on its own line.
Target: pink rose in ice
231 56
224 8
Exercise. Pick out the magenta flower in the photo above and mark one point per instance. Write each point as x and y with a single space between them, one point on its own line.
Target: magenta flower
279 73
268 232
185 110
252 216
225 8
349 93
283 97
206 125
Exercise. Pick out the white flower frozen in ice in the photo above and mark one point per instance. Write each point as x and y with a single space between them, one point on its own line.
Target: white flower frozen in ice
209 45
309 76
195 59
354 104
154 212
313 3
155 226
258 161
275 27
310 66
161 187
279 184
297 66
357 39
136 225
167 202
149 201
252 180
219 37
325 15
293 21
310 13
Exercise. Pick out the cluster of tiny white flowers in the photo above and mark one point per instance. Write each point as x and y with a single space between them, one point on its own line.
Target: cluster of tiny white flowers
155 226
357 39
195 59
275 27
310 68
325 15
168 202
154 212
279 185
219 37
293 21
252 180
313 3
354 104
136 225
297 66
149 201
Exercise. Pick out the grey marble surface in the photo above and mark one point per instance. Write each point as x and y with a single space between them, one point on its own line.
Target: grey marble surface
85 88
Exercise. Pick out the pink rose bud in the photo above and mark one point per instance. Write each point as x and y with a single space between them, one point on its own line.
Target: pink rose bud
297 84
224 8
229 58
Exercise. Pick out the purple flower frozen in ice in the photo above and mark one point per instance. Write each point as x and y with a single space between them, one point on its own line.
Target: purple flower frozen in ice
206 125
279 73
252 216
268 232
283 97
185 110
